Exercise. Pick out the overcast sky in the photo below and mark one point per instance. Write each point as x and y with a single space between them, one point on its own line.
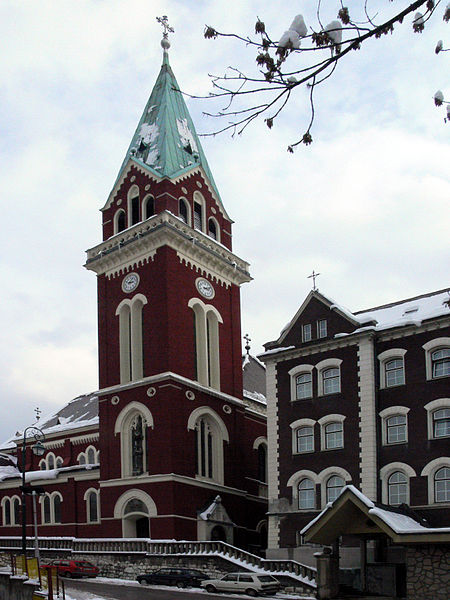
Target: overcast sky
367 205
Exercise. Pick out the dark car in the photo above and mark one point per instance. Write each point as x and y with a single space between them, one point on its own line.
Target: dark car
179 577
73 568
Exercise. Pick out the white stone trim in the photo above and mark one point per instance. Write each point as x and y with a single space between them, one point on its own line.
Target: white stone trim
293 482
188 207
322 366
133 192
216 223
144 203
207 319
387 471
430 347
385 357
259 440
272 452
367 418
199 199
82 439
122 426
429 472
129 311
326 420
130 495
294 372
55 444
431 408
51 496
86 499
12 520
325 475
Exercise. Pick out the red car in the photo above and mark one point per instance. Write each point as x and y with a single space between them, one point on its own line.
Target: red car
73 568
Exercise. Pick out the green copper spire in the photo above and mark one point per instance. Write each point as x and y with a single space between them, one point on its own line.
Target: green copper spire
165 141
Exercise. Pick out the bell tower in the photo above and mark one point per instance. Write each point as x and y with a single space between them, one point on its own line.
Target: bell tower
172 419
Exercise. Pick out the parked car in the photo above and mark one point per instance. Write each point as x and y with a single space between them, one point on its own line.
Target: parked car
252 584
73 568
179 577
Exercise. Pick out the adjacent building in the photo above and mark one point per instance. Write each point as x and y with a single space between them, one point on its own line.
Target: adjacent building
358 398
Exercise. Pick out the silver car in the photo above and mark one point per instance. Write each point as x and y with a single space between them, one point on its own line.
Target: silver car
252 584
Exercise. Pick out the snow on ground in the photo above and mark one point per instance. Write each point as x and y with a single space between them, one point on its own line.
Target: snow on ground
126 582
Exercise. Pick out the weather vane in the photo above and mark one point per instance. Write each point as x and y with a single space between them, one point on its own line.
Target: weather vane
164 21
313 276
248 340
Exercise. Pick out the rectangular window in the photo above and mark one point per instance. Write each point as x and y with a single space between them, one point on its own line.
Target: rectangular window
395 374
322 328
334 436
198 221
396 429
303 385
306 333
305 439
441 421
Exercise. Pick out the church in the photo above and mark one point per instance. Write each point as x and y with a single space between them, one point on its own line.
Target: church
173 444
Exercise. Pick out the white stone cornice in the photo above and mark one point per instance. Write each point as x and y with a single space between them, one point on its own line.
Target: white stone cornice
84 439
54 444
138 244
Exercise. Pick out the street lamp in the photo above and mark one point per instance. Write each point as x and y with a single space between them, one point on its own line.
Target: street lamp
38 449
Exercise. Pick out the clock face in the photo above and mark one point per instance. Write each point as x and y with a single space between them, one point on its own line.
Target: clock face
205 288
130 282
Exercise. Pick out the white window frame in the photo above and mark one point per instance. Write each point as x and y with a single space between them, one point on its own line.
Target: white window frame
327 420
144 206
294 481
387 356
322 366
320 334
390 469
12 512
188 209
116 220
431 408
5 500
199 199
85 455
429 471
385 414
214 220
262 441
207 319
294 373
122 426
129 312
219 436
86 499
307 508
133 192
295 426
306 327
51 497
430 347
325 475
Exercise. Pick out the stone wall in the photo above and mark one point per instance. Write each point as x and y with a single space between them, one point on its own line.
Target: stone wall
428 572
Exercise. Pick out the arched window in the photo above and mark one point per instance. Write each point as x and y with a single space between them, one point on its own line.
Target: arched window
394 372
92 506
334 435
442 485
119 221
51 460
441 423
306 494
132 424
148 208
303 384
262 463
396 429
17 511
7 512
90 454
57 508
42 465
331 381
206 342
210 434
59 462
183 210
198 216
46 512
133 205
130 338
334 487
397 488
213 229
82 459
304 439
440 361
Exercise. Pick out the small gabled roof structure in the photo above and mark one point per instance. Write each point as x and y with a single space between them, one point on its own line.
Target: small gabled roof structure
352 513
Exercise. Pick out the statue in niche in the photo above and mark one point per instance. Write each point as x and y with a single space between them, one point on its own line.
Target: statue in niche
137 445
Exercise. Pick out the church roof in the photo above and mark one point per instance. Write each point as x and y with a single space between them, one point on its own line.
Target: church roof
165 141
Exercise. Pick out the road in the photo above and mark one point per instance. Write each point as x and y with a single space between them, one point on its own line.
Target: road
102 590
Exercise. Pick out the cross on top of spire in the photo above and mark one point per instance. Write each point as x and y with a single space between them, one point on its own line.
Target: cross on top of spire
248 340
164 21
313 276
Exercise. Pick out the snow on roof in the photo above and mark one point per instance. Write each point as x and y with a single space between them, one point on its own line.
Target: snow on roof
254 378
409 311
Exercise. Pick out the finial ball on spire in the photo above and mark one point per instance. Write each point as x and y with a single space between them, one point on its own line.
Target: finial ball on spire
164 21
165 44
